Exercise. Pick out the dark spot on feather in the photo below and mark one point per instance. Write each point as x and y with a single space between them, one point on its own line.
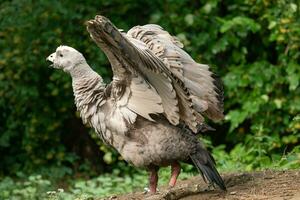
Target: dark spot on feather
219 90
107 91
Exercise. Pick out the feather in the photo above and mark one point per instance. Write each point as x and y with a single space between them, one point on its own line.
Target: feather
196 77
144 99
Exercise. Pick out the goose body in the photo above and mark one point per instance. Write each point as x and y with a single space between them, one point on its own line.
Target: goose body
156 103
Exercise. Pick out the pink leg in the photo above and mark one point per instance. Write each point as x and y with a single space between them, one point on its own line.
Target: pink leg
175 168
153 179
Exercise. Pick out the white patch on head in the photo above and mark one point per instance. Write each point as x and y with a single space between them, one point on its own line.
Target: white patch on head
66 48
66 58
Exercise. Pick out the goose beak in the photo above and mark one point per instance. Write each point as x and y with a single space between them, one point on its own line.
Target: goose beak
51 57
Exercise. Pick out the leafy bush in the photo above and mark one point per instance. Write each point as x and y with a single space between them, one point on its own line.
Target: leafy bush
32 188
37 108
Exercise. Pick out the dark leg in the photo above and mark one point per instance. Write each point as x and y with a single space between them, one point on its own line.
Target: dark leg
153 179
175 171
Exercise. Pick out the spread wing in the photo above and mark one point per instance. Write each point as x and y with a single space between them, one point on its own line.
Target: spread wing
206 91
148 53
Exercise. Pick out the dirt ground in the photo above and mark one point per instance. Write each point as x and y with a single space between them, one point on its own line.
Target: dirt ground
274 185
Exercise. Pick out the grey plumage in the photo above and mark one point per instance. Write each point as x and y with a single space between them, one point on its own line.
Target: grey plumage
157 89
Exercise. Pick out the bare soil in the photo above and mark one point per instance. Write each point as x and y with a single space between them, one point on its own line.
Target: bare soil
273 185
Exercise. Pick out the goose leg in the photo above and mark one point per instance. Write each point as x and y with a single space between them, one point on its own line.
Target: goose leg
175 171
153 179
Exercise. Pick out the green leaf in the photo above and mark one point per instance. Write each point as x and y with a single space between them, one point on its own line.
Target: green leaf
189 19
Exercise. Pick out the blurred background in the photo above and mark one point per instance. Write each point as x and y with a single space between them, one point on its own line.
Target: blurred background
47 152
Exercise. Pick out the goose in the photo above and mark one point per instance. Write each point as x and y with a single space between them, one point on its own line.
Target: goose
156 104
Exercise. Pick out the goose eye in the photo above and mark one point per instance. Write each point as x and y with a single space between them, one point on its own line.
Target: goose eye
61 55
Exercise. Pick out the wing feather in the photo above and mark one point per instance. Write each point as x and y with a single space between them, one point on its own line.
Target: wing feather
207 95
144 100
169 80
102 32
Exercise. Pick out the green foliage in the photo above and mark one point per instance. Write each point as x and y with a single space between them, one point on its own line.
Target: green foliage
32 188
37 187
254 154
253 45
37 102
